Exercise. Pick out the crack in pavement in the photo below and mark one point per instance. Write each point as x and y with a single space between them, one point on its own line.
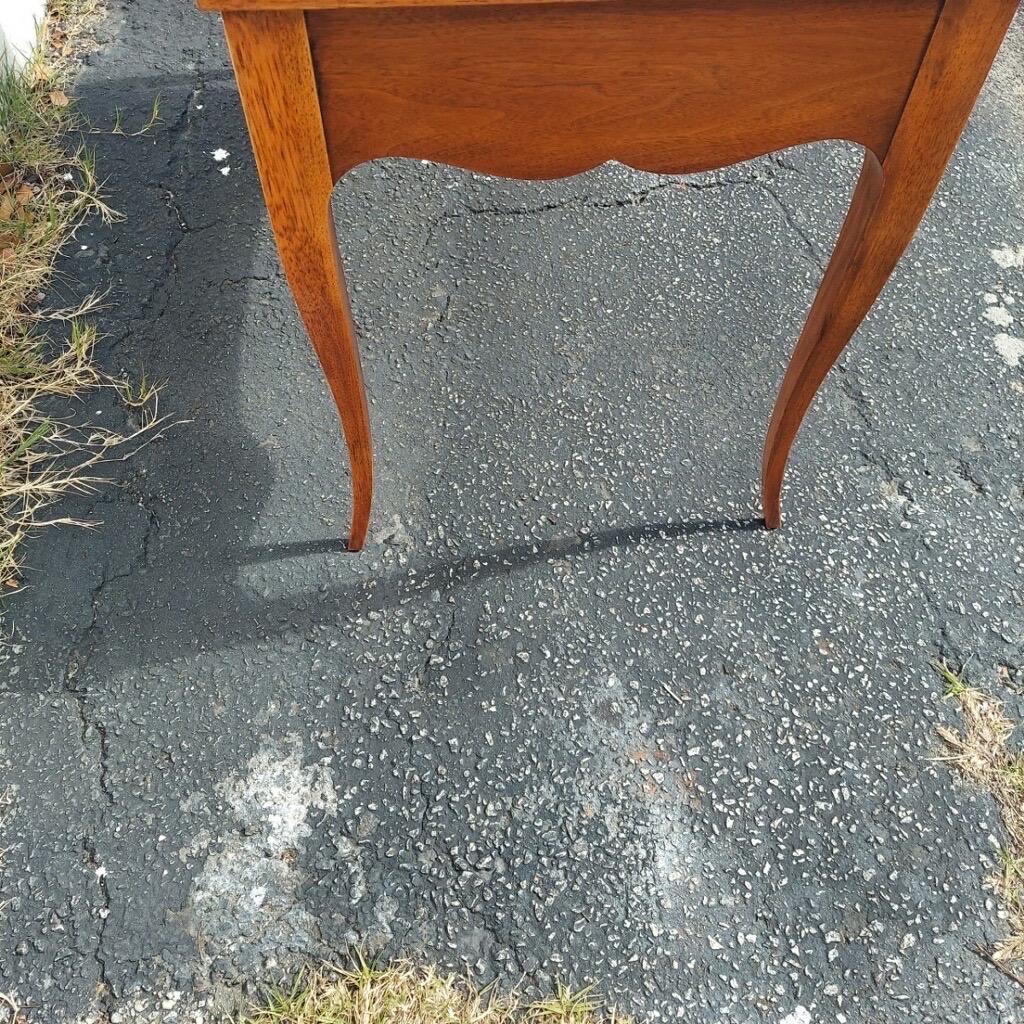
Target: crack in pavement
105 991
438 651
584 202
179 132
637 197
844 376
793 223
78 657
969 477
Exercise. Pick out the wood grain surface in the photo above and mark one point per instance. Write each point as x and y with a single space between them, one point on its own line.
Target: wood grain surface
314 5
888 204
549 89
270 53
663 85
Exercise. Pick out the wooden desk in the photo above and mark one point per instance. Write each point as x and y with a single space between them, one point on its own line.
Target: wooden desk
549 88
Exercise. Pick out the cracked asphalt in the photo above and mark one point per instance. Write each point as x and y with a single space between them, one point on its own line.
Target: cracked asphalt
572 713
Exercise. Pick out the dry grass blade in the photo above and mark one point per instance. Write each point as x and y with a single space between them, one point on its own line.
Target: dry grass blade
46 190
405 993
10 1010
982 754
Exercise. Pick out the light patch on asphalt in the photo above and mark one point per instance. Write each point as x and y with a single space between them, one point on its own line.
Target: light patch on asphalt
999 315
244 909
1009 257
170 1006
279 793
647 798
997 310
801 1015
1010 348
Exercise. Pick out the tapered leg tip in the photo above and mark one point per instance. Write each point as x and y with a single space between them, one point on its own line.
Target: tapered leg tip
356 538
772 519
359 525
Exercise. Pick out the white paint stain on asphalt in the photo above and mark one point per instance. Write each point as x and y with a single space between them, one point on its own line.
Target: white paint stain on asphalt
1009 257
278 794
801 1015
245 901
1010 348
999 315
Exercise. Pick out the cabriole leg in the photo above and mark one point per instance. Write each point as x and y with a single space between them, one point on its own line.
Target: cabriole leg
890 199
270 52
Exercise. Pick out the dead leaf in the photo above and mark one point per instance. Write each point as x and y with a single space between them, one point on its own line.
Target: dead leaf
6 208
24 194
59 98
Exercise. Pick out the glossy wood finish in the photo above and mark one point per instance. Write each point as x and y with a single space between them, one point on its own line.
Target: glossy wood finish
888 204
664 85
270 52
552 87
322 5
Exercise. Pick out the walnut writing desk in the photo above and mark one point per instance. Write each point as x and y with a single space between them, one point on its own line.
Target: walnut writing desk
549 88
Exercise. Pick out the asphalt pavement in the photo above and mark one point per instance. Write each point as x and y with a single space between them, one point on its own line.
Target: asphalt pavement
572 714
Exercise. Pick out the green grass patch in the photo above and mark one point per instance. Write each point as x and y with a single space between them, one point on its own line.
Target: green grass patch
48 186
406 993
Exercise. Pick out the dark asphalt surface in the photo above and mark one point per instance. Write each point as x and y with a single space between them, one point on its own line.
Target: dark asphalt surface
572 714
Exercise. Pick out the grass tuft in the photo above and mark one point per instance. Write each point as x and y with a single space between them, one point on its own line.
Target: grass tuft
10 1010
981 753
47 188
406 993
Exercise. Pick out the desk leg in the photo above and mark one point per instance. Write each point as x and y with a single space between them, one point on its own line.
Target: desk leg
888 204
270 52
